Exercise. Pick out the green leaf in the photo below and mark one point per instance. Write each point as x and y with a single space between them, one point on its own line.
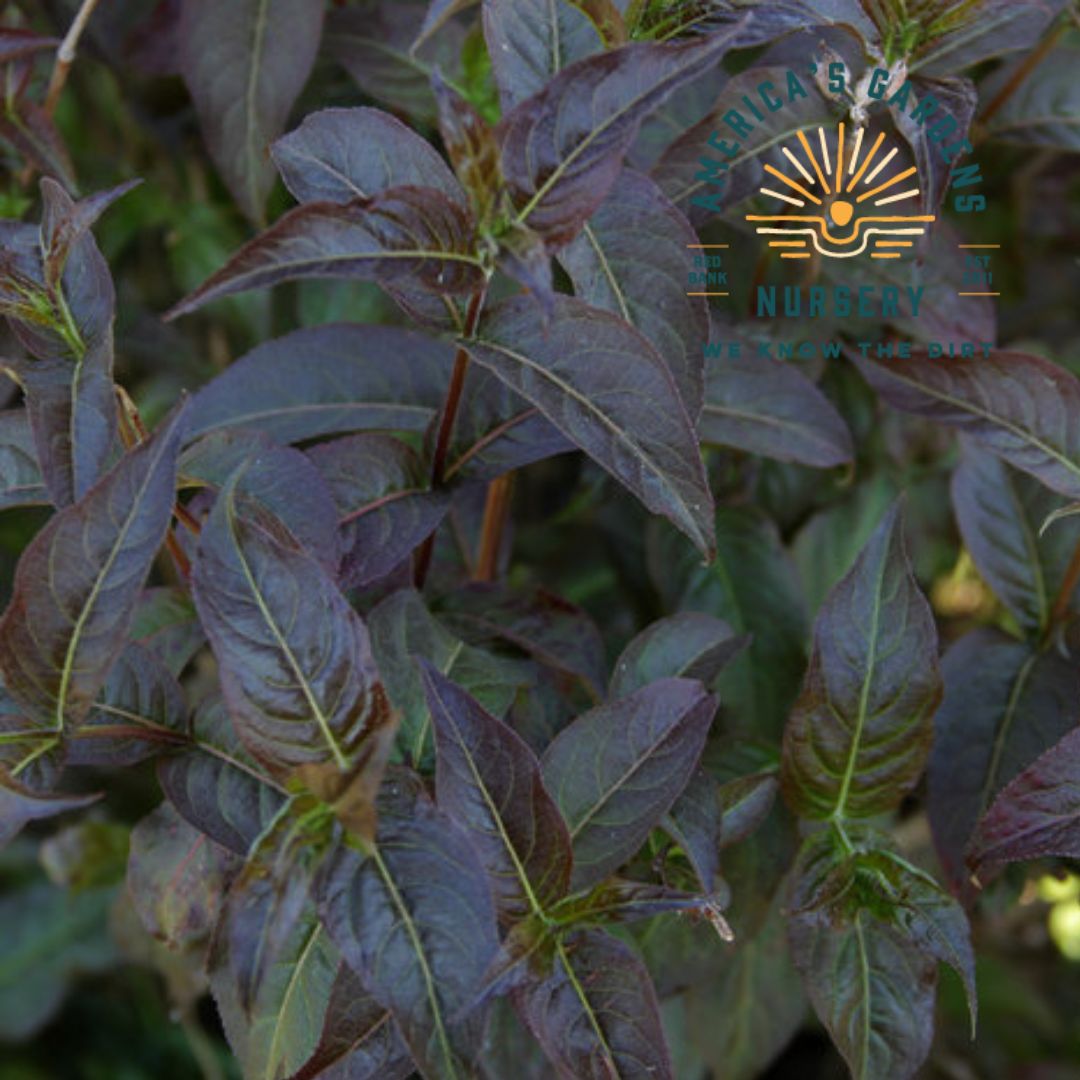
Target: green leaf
688 645
52 935
402 628
860 731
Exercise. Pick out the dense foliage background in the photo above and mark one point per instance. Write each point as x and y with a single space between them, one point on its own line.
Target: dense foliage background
420 656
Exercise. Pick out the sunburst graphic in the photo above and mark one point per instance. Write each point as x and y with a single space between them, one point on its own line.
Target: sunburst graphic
845 190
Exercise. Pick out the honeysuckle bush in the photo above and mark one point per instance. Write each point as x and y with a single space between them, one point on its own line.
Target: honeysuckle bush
421 655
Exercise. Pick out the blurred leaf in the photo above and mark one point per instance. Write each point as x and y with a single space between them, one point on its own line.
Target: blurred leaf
244 66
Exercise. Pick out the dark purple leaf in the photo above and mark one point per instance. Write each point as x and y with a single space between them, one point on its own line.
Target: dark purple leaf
873 992
166 623
860 731
402 629
745 803
489 781
1001 514
617 769
550 629
689 171
694 822
765 406
752 585
327 380
1037 814
337 155
374 42
590 374
1022 408
632 258
177 878
16 42
20 477
140 712
498 431
279 1028
385 504
413 916
439 12
688 645
530 42
751 1006
245 65
217 786
955 99
983 30
294 658
19 806
1044 108
282 480
71 406
77 586
410 234
359 1039
563 147
596 1014
30 130
472 147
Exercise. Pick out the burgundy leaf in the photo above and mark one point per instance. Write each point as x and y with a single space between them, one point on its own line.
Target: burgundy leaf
177 878
295 659
768 407
19 806
20 476
413 917
326 380
1037 814
78 583
410 233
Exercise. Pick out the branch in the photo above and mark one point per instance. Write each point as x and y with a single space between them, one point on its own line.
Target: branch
65 55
